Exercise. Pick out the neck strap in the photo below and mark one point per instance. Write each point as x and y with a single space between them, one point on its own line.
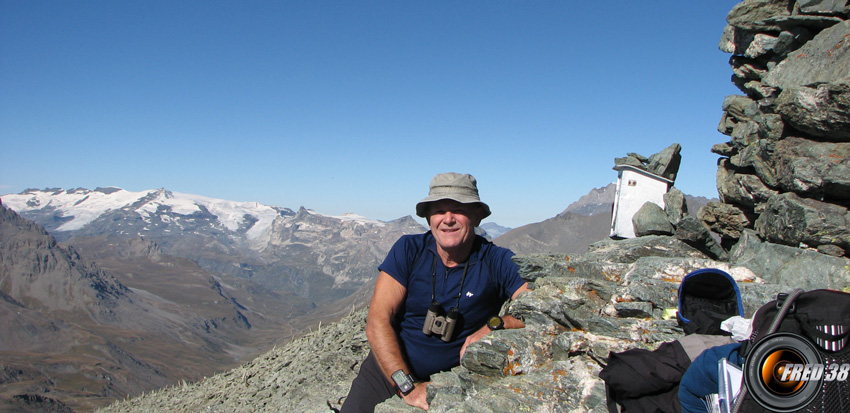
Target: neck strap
434 281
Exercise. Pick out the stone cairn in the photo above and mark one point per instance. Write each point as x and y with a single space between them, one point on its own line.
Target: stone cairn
785 173
783 182
674 218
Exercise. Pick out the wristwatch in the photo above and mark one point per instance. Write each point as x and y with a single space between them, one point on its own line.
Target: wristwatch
403 381
496 323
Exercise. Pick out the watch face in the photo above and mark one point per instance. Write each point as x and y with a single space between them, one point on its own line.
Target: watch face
403 381
495 323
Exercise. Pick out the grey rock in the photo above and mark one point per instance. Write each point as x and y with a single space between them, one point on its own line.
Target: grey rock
833 250
639 157
789 266
633 309
822 6
694 233
630 250
791 220
726 220
752 14
743 189
824 59
666 163
761 45
812 21
675 206
812 169
650 219
724 149
821 110
630 160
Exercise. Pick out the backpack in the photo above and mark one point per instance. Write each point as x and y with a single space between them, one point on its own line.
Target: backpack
797 330
707 297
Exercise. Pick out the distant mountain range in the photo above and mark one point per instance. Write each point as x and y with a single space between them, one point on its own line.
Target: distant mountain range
318 257
74 336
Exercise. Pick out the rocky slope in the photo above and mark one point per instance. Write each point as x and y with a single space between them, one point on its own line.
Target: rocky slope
75 337
201 284
580 309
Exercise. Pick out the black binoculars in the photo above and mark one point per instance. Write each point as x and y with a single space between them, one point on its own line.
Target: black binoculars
439 324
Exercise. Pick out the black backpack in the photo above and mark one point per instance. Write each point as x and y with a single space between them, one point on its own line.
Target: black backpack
707 297
799 328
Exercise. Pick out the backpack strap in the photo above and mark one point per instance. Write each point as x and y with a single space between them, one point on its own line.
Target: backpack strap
787 305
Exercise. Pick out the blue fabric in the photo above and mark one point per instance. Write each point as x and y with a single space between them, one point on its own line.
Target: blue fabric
701 378
491 279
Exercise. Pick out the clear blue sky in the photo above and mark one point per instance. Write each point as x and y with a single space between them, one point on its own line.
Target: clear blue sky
352 106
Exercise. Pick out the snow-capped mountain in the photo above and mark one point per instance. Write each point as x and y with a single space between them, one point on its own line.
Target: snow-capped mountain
73 209
318 256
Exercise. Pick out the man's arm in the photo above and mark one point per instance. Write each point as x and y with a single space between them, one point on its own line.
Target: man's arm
386 301
510 322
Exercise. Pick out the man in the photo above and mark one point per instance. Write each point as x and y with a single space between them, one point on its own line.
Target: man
436 293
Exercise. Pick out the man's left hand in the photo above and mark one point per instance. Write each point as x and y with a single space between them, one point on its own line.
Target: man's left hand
478 335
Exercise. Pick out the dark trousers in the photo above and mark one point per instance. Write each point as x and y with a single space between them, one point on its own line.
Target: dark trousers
368 389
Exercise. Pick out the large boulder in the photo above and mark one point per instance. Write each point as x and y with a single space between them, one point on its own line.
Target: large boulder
824 59
790 267
821 110
651 219
811 168
791 220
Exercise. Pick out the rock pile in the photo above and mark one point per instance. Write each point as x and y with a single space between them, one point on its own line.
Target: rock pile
786 172
674 218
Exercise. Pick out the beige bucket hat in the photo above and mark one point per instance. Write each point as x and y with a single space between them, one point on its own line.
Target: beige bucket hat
462 188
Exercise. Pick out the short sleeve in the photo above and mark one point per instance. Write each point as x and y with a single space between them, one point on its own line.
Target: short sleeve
506 271
400 260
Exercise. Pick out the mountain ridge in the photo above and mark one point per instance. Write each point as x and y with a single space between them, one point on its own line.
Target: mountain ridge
76 337
582 223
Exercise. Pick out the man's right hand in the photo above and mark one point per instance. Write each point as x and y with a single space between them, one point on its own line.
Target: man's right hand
418 396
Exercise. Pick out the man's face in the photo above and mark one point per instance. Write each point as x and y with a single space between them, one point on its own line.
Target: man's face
452 223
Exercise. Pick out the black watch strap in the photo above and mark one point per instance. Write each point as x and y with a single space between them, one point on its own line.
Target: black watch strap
496 323
403 382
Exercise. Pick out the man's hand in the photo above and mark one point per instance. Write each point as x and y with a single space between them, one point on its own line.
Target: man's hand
478 335
510 322
418 397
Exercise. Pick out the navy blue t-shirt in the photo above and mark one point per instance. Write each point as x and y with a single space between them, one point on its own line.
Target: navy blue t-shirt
491 279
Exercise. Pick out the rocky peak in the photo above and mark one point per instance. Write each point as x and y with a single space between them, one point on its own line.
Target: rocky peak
43 274
597 201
